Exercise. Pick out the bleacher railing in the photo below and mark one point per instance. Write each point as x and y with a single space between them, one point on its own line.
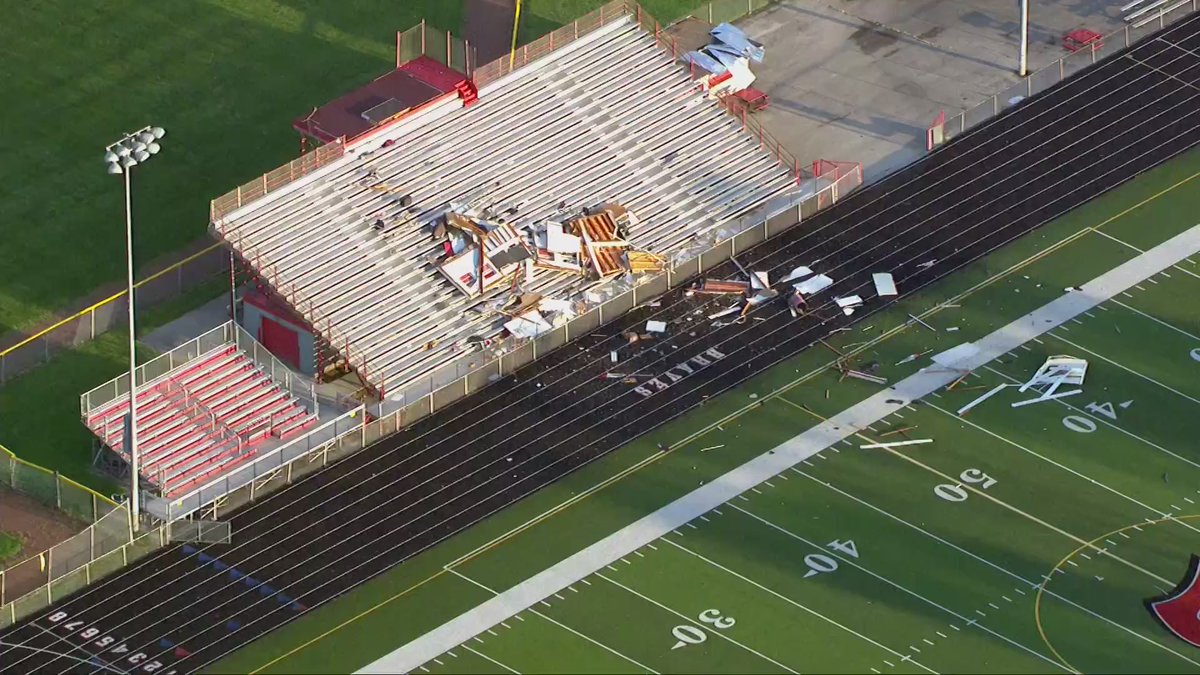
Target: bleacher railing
945 129
329 442
101 548
554 40
275 179
157 367
299 387
437 44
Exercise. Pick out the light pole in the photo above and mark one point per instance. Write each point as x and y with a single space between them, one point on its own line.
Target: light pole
1024 37
121 157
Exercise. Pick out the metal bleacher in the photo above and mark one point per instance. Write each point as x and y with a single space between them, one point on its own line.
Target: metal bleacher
608 118
202 419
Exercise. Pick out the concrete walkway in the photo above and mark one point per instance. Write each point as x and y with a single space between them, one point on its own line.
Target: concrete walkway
685 509
862 80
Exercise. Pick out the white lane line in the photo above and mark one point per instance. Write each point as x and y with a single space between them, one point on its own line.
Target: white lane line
494 661
779 459
854 563
686 618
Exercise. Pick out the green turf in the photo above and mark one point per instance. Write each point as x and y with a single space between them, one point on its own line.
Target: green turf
10 547
224 78
234 65
924 560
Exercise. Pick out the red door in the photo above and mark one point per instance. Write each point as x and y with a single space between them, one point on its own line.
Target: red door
282 341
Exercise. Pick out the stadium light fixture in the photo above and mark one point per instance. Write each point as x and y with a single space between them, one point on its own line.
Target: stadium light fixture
121 157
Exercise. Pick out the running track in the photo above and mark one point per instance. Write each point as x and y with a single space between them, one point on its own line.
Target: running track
181 608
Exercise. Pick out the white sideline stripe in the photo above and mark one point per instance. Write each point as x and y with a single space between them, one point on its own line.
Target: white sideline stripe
788 454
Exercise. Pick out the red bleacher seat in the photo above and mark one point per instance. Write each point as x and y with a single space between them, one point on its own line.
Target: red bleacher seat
203 419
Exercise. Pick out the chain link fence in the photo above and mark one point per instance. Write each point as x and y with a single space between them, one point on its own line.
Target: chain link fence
101 548
945 129
728 11
111 312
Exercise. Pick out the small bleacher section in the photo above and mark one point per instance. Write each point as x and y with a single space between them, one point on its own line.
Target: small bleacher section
202 419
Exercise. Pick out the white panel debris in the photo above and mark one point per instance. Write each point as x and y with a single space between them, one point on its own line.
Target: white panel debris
815 284
885 285
656 326
798 273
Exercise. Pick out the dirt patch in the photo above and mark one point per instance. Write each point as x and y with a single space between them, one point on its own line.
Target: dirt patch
39 527
488 25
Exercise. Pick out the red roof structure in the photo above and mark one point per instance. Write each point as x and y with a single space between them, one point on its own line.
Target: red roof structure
410 86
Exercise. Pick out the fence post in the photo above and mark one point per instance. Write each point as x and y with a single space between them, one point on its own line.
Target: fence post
57 491
710 12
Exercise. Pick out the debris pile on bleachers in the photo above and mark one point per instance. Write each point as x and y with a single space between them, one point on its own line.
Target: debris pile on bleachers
456 229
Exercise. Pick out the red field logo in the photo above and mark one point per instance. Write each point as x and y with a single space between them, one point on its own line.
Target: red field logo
1179 610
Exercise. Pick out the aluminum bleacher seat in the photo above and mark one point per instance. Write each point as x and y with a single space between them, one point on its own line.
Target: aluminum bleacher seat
608 118
202 419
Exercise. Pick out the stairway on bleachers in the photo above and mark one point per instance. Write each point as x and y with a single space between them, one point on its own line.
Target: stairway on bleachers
202 419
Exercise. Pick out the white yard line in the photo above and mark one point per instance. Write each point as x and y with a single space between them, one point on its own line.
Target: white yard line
1129 370
1176 265
1158 512
786 455
1105 421
852 562
551 620
494 661
1028 583
1156 320
688 619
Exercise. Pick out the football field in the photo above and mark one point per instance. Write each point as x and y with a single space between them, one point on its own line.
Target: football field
1020 539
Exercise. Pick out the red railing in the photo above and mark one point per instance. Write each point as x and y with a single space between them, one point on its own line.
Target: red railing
274 179
556 39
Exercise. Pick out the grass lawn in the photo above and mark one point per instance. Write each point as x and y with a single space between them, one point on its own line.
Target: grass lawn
225 98
224 77
925 569
10 547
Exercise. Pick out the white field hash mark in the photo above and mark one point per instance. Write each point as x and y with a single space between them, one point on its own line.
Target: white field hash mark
854 563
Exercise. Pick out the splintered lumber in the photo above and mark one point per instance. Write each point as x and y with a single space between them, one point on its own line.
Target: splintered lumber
918 320
860 375
644 261
893 432
722 287
896 444
995 390
1047 397
830 347
601 246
